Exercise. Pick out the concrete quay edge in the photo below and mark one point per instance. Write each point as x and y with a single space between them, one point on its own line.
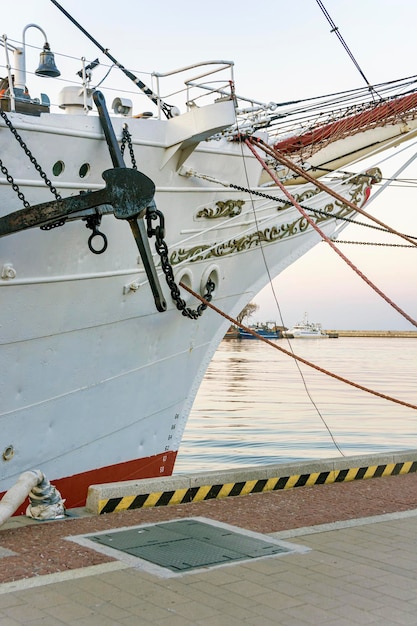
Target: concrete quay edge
384 334
198 486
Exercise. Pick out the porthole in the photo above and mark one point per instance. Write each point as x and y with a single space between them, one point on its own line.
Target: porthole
84 170
58 168
8 453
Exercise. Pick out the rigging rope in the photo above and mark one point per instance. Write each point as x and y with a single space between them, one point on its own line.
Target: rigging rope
350 122
301 172
295 356
324 115
166 108
322 234
401 169
335 30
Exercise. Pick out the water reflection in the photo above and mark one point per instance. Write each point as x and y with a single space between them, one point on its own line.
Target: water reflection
254 404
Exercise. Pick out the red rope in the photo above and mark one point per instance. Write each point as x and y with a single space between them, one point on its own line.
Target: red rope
326 238
295 356
299 170
386 112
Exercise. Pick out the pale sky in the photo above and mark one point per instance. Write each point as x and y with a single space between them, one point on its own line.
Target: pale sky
282 51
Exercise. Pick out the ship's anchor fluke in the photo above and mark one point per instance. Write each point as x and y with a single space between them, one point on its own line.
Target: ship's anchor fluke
128 191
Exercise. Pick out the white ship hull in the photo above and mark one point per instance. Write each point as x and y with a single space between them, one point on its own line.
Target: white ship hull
96 383
305 334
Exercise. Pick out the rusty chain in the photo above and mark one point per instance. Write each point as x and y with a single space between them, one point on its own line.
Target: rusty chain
162 249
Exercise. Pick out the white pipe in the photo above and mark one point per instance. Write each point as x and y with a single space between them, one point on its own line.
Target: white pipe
17 494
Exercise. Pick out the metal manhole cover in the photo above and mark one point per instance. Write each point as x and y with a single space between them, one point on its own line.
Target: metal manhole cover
189 544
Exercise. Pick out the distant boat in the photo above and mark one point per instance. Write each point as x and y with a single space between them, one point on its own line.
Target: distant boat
268 330
305 330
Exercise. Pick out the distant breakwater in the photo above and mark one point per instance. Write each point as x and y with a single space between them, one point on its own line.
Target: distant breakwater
406 334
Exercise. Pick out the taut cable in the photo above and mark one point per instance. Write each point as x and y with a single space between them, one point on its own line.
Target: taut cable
327 239
299 170
295 356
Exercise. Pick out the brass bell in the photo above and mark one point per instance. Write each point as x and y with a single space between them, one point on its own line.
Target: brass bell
47 65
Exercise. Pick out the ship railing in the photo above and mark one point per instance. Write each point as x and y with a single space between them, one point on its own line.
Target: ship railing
200 84
198 89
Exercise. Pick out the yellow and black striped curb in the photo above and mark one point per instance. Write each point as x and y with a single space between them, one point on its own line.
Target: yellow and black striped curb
209 492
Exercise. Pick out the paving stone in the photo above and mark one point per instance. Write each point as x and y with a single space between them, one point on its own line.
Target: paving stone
364 572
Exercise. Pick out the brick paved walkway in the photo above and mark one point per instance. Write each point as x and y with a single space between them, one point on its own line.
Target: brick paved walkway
358 570
40 547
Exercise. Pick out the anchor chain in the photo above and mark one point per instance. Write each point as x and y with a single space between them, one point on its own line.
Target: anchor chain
37 167
127 139
14 186
313 210
29 154
374 243
162 249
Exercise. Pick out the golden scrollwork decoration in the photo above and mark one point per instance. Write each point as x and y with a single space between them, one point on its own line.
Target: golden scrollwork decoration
269 235
229 208
331 210
300 197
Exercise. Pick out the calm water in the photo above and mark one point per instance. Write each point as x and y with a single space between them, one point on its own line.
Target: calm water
254 408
